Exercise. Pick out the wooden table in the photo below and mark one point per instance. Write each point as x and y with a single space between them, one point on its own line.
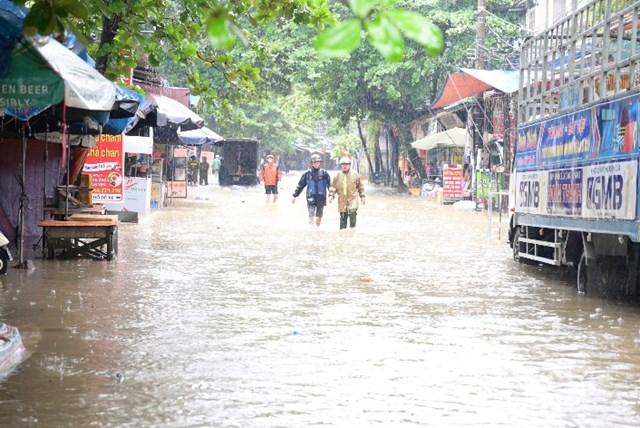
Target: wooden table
80 238
57 213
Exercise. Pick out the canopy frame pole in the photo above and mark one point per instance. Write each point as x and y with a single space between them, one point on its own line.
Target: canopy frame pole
23 197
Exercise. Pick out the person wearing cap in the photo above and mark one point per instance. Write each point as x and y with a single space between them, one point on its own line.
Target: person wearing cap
204 172
348 186
270 174
317 181
194 167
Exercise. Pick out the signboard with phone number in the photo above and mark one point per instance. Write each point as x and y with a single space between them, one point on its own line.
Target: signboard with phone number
598 191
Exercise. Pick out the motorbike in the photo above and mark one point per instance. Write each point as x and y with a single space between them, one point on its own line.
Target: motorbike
5 254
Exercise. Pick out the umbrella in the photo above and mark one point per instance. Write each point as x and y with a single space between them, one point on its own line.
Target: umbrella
43 73
198 137
454 137
158 110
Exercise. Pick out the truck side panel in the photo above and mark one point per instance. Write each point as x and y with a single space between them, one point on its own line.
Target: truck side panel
580 168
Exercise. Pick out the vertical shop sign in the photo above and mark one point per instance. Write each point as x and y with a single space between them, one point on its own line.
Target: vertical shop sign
452 182
105 163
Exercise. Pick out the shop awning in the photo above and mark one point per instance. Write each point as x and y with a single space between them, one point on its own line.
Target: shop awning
198 137
158 111
471 82
454 137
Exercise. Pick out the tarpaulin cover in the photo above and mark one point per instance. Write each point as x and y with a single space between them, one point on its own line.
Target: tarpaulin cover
123 112
471 82
11 19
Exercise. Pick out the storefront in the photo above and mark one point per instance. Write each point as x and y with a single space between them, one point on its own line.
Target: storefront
137 179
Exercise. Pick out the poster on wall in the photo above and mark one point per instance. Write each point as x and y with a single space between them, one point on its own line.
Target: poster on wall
487 188
105 164
157 195
452 182
177 189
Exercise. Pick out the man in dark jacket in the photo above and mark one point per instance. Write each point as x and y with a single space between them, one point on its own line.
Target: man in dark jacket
317 182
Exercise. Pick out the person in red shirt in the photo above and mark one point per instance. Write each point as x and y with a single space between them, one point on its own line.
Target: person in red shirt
270 175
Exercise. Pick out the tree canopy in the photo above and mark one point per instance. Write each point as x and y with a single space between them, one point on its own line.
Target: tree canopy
281 70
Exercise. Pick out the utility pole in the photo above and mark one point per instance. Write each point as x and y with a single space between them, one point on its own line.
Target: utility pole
477 112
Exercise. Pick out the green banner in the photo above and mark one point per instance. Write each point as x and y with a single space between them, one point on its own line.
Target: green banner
29 81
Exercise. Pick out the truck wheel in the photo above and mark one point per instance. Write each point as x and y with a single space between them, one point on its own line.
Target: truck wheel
582 278
4 263
515 246
519 247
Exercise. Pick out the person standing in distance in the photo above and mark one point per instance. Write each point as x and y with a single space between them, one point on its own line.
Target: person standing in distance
270 174
317 181
215 166
348 186
204 172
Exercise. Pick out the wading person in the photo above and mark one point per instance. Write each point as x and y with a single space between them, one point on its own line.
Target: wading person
193 166
348 186
317 181
270 174
216 167
204 172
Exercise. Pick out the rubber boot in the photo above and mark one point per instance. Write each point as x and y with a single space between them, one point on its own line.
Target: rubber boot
343 220
352 218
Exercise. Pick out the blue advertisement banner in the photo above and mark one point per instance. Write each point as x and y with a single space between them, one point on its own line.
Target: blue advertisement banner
564 192
527 147
566 139
603 132
617 133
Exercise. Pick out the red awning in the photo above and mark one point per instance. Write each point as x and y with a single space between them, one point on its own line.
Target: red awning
458 87
472 82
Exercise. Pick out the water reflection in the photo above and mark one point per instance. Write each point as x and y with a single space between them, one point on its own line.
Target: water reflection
222 311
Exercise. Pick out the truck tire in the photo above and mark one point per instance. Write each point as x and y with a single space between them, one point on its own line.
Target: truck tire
582 278
515 246
518 247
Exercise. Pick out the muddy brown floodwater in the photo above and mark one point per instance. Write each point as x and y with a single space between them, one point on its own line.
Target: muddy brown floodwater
223 312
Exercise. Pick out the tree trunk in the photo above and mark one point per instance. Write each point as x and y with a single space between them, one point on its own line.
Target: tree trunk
395 156
364 146
378 157
110 28
412 154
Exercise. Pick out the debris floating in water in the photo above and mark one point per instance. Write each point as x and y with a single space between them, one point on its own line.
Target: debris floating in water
118 376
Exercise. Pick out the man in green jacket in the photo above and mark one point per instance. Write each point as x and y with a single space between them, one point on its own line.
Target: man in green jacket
348 186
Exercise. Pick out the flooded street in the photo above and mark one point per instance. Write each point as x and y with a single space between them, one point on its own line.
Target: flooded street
223 312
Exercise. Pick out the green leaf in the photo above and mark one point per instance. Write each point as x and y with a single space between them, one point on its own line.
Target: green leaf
361 8
386 38
339 40
190 48
418 28
219 35
74 7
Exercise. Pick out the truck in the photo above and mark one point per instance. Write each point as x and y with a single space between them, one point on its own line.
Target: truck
238 161
574 180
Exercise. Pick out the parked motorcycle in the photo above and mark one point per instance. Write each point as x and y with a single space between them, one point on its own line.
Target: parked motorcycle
5 254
